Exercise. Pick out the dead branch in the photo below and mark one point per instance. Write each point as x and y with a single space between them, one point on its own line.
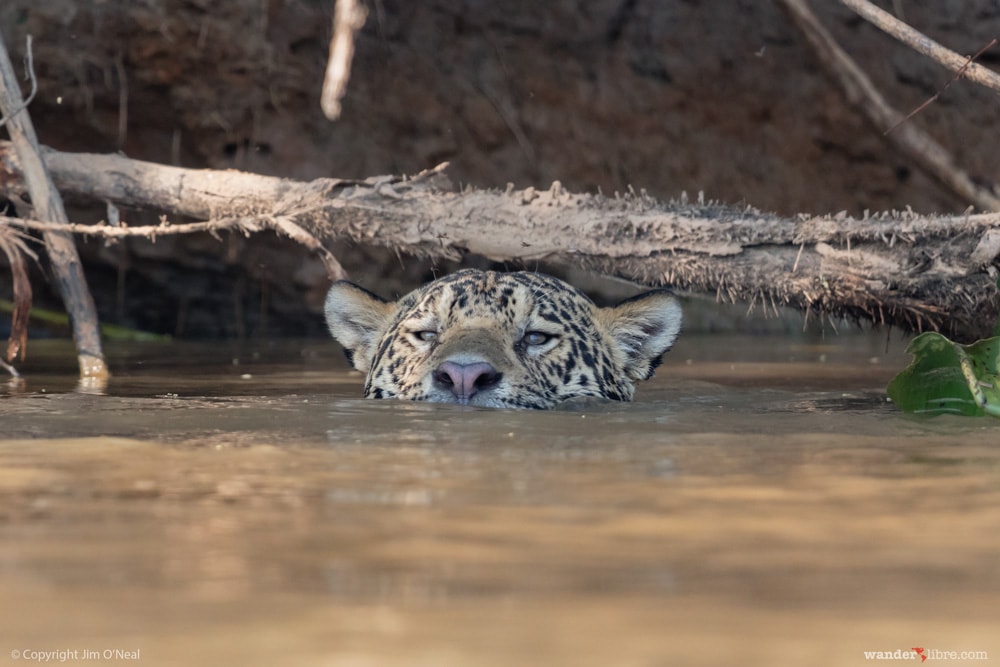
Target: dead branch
113 232
923 44
59 244
244 225
917 145
29 63
915 271
348 17
16 250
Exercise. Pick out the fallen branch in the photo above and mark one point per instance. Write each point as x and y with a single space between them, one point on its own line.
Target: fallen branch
919 272
917 145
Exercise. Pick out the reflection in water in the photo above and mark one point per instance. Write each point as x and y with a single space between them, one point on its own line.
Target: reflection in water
774 513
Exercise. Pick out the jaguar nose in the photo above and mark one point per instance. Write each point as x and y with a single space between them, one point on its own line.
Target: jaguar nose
466 380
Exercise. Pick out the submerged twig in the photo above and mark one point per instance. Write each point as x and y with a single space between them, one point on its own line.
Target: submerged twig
10 369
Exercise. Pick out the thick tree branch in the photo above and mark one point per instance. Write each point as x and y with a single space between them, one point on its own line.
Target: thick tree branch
919 272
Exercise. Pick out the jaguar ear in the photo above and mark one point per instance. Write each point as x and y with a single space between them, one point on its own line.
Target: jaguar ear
357 319
642 329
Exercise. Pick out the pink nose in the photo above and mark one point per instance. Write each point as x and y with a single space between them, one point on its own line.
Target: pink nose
465 380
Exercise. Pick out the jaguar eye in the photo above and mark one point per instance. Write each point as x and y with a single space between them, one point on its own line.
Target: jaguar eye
426 336
536 338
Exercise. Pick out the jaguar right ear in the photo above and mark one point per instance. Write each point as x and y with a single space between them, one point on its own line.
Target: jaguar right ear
357 319
642 329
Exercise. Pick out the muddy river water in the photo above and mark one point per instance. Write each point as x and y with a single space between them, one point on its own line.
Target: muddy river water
225 505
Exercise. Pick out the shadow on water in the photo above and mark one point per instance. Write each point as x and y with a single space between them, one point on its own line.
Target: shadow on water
238 506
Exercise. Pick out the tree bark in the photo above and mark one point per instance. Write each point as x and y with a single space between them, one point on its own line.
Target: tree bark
919 272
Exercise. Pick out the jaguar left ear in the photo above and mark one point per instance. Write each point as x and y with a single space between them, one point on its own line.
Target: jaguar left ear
357 319
642 329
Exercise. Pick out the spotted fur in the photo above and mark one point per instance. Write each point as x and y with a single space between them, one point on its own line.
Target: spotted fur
524 340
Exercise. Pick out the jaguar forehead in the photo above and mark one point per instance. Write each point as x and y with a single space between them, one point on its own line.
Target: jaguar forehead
482 316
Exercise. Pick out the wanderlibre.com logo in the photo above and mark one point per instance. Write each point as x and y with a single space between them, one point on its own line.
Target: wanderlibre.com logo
925 654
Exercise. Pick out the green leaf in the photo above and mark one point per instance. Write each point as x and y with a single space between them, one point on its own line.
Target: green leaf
948 378
980 368
996 325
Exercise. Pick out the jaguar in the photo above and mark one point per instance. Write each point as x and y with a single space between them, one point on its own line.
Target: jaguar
501 340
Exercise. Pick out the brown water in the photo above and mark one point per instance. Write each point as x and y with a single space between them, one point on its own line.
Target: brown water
244 507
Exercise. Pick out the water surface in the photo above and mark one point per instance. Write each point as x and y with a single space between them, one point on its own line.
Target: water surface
240 505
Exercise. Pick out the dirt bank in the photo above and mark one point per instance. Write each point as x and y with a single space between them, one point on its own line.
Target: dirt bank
716 96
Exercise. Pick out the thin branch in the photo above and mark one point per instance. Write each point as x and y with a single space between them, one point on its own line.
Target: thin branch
859 90
935 96
923 44
29 66
282 225
12 244
102 230
348 17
